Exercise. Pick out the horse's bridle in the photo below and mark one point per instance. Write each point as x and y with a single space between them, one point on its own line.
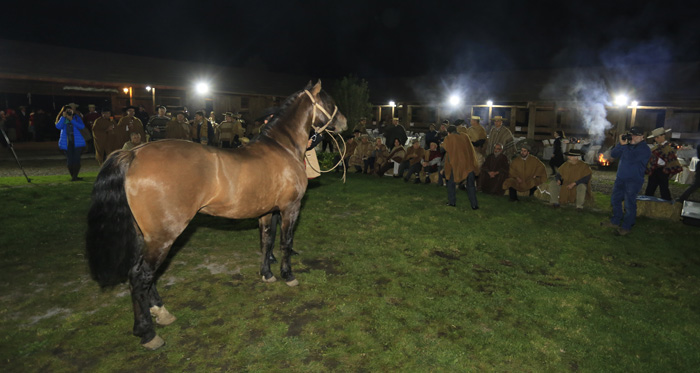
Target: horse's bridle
319 107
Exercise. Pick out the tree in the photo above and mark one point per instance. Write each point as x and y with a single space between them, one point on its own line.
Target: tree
351 94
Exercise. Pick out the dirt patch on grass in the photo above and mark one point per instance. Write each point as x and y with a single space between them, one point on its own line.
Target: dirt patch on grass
330 266
444 255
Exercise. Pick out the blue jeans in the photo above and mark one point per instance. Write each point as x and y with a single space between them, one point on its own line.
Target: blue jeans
471 190
625 190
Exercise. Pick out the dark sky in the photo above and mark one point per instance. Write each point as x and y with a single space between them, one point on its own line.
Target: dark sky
370 39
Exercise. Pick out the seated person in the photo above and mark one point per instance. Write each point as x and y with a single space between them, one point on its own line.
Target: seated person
396 155
494 171
379 155
135 140
572 182
412 161
360 159
431 160
526 172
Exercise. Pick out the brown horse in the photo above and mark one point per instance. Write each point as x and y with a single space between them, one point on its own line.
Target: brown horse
144 198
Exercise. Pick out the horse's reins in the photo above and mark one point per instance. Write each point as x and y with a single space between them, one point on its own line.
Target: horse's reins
320 130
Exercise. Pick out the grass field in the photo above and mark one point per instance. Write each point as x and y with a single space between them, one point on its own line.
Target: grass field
390 280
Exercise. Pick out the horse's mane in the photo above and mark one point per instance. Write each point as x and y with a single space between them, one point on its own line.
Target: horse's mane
272 123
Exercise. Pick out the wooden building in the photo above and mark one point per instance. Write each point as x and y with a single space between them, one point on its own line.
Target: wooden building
538 102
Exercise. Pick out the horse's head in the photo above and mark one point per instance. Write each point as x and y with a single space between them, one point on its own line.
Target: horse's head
326 113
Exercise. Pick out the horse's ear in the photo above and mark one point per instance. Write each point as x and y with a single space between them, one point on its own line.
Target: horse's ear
317 88
308 85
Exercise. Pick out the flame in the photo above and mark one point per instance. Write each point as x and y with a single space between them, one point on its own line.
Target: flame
602 161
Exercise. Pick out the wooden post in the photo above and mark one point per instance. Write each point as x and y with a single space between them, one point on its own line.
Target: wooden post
532 119
622 121
667 118
634 116
513 118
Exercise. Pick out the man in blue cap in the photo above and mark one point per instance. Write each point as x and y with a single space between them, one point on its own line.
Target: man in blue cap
633 154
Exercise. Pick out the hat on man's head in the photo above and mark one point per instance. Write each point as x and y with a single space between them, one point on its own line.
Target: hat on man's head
498 118
637 131
657 132
73 105
91 105
574 153
356 131
446 122
525 145
161 106
199 112
228 114
476 117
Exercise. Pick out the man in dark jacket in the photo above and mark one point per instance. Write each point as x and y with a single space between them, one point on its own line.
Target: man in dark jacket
395 131
633 155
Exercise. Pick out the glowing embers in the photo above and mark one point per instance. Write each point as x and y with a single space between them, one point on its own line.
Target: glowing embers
602 161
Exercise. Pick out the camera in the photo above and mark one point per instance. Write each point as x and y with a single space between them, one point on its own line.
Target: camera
69 112
627 137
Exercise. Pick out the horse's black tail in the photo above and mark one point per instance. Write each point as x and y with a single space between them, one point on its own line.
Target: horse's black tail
112 241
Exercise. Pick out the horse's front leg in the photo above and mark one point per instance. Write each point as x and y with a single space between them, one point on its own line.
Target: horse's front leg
267 241
289 220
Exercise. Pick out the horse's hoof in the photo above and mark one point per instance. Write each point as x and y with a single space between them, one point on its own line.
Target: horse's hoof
155 343
271 279
163 317
292 283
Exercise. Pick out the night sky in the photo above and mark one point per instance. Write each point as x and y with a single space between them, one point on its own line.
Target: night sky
370 39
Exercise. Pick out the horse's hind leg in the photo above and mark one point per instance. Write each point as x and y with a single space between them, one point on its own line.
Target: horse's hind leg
289 220
267 240
157 309
141 279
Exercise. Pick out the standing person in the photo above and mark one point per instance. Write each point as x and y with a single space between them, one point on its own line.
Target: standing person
634 154
143 116
70 140
558 152
103 133
126 126
203 131
662 164
178 128
89 119
460 165
431 136
696 183
494 172
157 124
477 134
395 131
500 135
526 172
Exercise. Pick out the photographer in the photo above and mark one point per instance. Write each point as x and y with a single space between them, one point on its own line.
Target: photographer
633 154
71 141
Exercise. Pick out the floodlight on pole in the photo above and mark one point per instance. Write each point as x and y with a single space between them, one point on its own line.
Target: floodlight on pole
634 103
489 103
148 88
202 88
621 100
126 90
392 103
454 100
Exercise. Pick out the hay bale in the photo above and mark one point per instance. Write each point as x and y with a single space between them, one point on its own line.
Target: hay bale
657 208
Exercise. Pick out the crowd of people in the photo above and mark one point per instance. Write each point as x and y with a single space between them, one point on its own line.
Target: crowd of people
493 163
460 155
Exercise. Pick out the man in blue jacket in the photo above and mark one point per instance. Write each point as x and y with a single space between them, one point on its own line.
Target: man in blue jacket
71 140
633 155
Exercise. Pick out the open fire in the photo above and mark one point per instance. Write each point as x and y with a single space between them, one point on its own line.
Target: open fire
603 161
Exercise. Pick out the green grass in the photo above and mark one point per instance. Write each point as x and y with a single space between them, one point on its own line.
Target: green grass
390 279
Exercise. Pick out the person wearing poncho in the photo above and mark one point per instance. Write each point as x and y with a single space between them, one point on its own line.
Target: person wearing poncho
501 135
494 172
572 182
477 134
460 165
525 174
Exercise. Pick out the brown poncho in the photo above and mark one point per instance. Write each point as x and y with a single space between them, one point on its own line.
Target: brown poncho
570 173
530 170
494 185
460 157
